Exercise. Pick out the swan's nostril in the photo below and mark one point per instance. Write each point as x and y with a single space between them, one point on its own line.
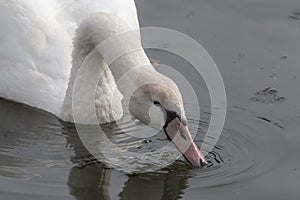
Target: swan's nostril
182 134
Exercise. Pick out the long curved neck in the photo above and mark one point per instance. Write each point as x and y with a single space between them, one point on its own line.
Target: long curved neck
105 50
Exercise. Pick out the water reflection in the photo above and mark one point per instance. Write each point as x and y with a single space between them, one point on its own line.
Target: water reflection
37 147
90 182
40 154
90 179
168 185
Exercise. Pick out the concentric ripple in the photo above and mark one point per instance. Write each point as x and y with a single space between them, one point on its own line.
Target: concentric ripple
247 147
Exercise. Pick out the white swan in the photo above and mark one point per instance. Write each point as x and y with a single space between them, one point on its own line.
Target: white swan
36 55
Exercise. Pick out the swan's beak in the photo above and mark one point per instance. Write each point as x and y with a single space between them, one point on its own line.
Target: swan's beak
179 134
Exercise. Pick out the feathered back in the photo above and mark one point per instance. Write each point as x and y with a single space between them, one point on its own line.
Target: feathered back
36 46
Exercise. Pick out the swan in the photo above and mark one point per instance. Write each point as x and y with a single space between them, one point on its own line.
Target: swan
44 44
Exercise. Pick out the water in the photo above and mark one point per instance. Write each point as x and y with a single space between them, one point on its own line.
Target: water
39 154
256 156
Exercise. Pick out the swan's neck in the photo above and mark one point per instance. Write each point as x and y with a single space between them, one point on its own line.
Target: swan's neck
102 56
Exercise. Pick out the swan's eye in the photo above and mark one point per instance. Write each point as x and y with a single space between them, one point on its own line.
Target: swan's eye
156 103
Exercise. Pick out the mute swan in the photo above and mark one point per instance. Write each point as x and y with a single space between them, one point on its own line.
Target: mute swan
36 55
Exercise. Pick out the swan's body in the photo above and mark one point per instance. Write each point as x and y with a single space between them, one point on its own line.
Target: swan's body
50 55
36 46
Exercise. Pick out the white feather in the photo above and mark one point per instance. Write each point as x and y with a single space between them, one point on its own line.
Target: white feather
36 46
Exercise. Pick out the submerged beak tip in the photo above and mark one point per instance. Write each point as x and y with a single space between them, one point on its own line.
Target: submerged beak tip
196 162
203 162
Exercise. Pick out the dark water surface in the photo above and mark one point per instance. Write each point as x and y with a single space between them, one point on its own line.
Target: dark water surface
255 44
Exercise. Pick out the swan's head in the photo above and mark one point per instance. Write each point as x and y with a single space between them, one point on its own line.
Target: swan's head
159 104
